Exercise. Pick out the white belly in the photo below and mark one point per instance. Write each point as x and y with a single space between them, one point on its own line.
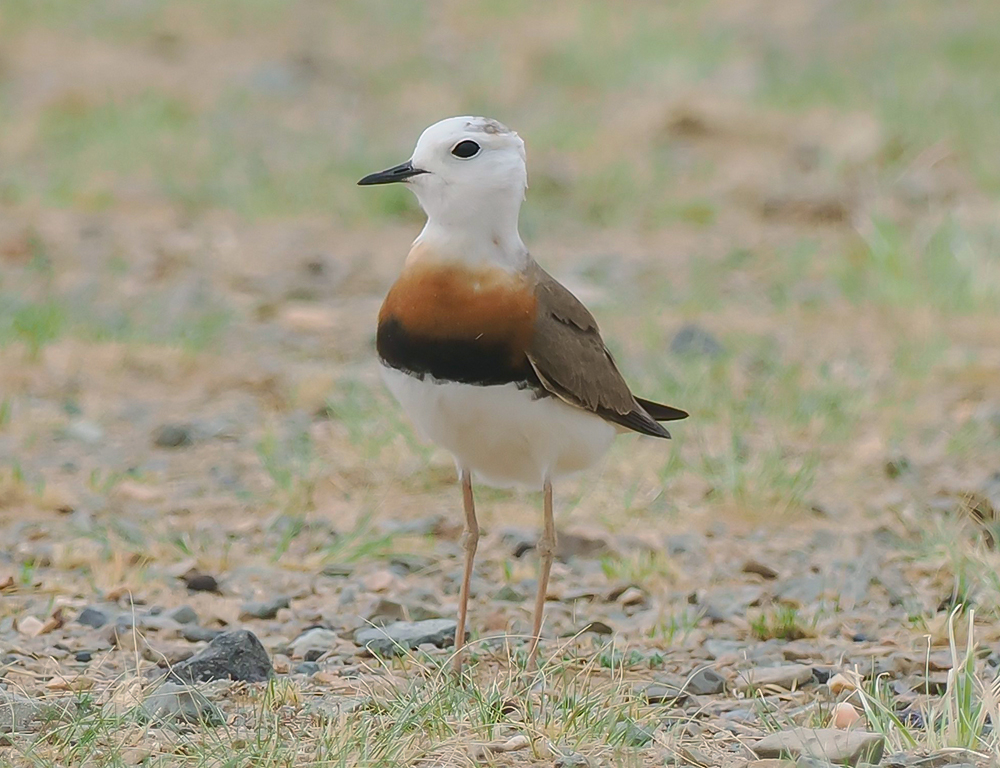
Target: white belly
502 433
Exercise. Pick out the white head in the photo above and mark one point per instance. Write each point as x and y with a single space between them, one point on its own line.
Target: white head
469 175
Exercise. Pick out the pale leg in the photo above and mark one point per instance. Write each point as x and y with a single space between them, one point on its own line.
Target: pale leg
546 548
470 540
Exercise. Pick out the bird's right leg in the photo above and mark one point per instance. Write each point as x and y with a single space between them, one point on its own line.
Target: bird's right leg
470 541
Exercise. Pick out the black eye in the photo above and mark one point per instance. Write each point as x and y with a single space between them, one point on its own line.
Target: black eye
465 149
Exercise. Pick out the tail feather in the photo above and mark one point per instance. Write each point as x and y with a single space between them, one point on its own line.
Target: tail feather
661 412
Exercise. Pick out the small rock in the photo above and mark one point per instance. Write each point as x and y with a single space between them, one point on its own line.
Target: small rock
175 701
393 639
183 615
705 682
694 340
83 656
85 431
16 712
573 760
718 648
657 693
173 436
834 746
761 569
197 581
195 634
844 715
308 668
263 609
76 684
234 655
93 617
312 643
597 627
30 626
840 683
482 752
787 676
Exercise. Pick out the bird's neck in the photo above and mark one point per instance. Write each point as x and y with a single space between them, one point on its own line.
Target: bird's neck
489 240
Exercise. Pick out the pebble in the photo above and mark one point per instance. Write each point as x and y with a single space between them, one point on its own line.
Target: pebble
173 436
16 712
85 431
93 617
312 643
840 683
197 581
234 655
761 569
393 639
306 668
263 609
195 634
835 746
183 615
573 760
658 693
844 715
30 626
787 676
175 701
705 682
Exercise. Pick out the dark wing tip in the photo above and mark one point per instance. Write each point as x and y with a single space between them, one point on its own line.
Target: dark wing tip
638 421
661 412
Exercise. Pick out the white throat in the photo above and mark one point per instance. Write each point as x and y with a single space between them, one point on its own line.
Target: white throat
474 230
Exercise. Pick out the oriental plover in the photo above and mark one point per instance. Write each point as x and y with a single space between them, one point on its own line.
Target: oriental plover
490 356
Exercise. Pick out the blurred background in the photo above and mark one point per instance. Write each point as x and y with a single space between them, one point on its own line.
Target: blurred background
785 217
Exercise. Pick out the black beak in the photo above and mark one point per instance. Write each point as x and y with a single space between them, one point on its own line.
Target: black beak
400 172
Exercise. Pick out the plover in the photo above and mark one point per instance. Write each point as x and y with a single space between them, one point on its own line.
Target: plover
489 355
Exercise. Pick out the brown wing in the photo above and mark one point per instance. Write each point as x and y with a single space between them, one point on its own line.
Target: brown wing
570 359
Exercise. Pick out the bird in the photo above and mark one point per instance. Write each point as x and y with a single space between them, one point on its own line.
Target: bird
490 356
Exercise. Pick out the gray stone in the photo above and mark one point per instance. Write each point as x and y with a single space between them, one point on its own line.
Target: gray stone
830 744
85 431
402 636
183 615
573 760
788 676
263 609
173 436
16 712
694 340
705 682
312 643
195 634
659 693
725 602
93 617
234 655
175 701
306 668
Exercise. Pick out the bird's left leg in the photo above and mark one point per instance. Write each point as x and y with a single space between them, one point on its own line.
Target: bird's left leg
471 539
546 549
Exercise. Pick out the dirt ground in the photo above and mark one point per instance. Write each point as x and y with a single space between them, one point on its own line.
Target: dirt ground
785 221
